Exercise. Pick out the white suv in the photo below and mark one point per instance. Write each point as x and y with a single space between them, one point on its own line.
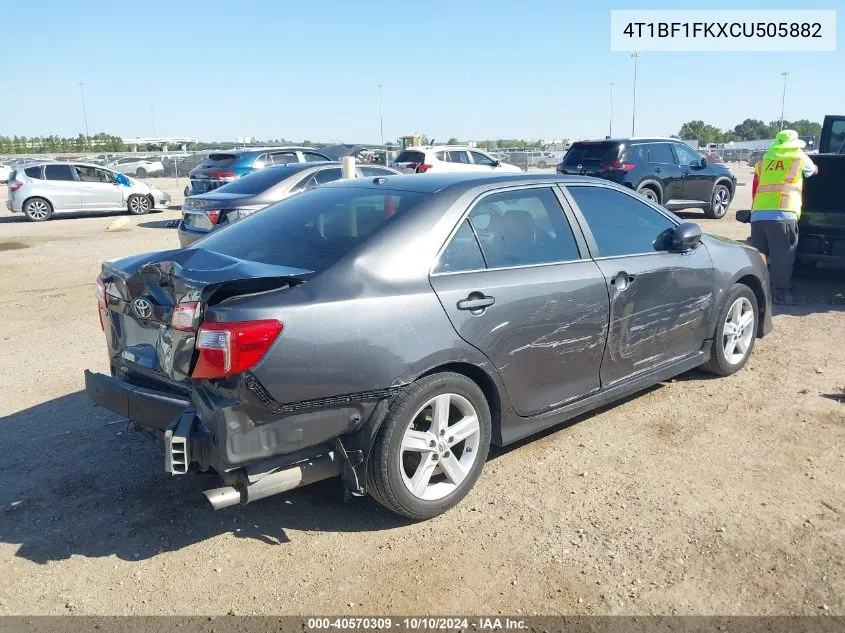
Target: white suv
448 158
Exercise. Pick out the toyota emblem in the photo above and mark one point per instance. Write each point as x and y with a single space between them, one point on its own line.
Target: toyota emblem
143 308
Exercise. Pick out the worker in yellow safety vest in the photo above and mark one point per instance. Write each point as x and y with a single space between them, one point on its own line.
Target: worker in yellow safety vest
778 179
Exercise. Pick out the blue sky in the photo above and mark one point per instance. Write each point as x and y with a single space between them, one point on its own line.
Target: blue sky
309 70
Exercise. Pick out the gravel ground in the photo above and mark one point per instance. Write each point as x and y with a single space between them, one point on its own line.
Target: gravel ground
698 496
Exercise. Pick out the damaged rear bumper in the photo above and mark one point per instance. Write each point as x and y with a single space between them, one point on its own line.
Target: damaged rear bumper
254 460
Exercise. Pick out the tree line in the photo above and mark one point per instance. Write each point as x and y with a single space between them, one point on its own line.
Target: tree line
748 130
52 144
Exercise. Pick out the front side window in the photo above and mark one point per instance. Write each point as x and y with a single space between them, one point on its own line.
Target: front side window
523 227
480 159
376 171
620 223
313 157
86 173
686 156
58 172
462 254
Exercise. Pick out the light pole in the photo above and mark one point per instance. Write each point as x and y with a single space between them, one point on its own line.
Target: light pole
84 113
610 128
636 58
783 99
153 113
380 116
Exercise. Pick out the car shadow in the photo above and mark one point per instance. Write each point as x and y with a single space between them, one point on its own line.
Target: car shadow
75 215
160 224
76 481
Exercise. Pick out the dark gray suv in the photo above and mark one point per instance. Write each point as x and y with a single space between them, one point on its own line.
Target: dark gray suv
388 330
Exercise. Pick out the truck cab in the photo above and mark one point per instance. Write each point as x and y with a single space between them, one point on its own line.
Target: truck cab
822 223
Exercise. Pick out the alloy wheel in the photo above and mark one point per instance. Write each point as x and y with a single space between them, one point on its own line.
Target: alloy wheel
738 331
721 200
38 210
139 204
439 446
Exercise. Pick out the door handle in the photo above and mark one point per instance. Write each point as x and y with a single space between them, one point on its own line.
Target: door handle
622 280
476 302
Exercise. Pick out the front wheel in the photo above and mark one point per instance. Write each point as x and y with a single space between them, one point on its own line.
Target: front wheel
720 200
542 164
431 447
138 205
736 332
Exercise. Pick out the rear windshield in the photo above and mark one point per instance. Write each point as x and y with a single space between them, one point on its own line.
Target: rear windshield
219 160
410 157
584 152
258 181
312 230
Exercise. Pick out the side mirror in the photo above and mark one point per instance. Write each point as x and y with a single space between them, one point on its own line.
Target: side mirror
686 237
703 162
497 163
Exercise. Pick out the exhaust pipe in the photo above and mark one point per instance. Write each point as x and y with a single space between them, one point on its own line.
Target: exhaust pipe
275 482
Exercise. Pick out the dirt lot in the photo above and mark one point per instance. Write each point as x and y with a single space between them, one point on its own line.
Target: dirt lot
699 496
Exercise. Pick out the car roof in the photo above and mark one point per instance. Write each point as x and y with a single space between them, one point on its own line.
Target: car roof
631 139
261 150
437 182
437 148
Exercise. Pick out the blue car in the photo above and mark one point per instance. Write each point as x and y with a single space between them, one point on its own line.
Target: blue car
221 168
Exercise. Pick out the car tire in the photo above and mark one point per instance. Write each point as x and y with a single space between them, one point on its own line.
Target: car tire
428 424
734 331
187 191
542 164
650 194
720 200
138 204
38 210
140 172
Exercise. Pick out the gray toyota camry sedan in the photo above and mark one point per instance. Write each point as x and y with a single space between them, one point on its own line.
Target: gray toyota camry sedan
387 330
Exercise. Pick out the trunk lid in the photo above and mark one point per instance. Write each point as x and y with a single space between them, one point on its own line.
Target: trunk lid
143 292
197 209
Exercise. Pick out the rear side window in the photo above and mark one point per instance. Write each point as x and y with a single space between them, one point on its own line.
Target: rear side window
410 157
282 158
598 152
376 171
523 227
58 172
636 154
660 153
312 230
462 254
620 224
836 142
33 172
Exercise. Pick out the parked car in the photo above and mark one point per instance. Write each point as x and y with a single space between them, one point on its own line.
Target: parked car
40 190
5 171
755 157
664 171
448 158
207 212
137 166
390 329
224 167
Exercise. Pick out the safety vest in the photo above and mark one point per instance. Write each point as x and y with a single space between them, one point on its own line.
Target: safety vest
779 181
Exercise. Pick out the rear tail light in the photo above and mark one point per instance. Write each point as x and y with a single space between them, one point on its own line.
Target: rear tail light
421 169
101 300
213 215
228 176
185 316
15 186
411 166
233 348
616 164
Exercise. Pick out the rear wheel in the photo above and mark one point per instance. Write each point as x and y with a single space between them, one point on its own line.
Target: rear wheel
431 447
542 164
736 332
138 205
141 172
37 210
649 194
720 200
